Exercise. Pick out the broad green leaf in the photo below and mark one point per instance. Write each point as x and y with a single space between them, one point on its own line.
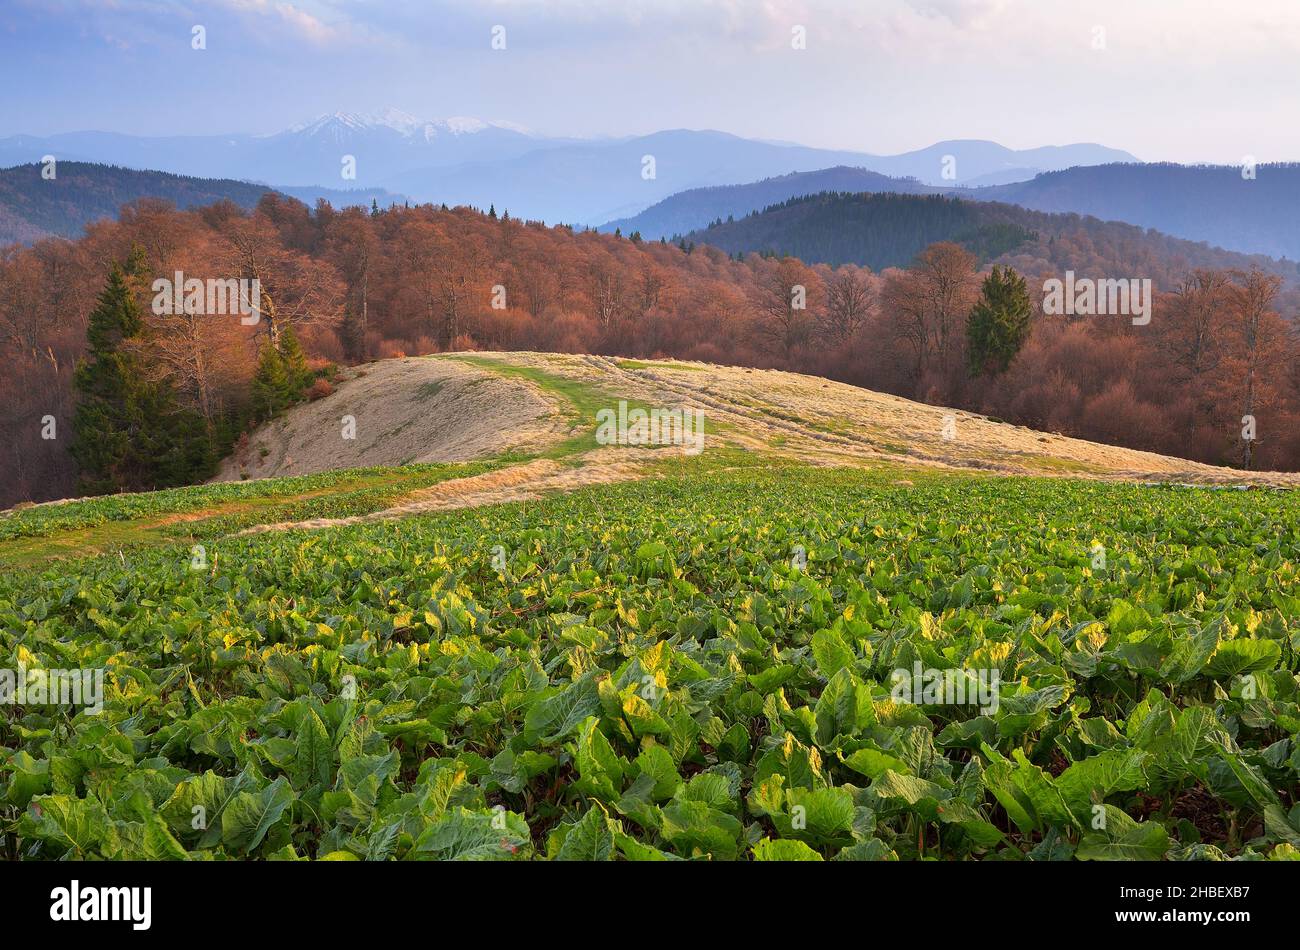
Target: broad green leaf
782 849
250 815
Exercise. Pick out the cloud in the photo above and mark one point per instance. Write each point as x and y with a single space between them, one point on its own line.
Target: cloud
299 21
961 13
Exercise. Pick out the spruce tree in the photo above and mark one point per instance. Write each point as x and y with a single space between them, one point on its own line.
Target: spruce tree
270 384
297 375
999 323
104 427
129 432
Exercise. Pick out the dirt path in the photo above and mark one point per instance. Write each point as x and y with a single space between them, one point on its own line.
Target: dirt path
525 482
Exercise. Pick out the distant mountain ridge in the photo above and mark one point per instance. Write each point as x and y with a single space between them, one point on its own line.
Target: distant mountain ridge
889 230
33 207
1212 203
603 183
697 207
464 160
311 153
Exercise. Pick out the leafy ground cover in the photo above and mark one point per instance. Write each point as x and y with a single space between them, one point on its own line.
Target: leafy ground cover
702 665
121 522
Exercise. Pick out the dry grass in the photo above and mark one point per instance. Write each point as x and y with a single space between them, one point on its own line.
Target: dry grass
406 410
524 482
445 410
814 419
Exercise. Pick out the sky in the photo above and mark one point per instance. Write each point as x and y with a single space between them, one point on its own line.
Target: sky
1168 80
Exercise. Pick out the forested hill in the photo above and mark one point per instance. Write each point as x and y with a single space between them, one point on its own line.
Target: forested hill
688 210
1253 212
889 230
33 207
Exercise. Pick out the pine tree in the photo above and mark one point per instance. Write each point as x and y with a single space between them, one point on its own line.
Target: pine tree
179 444
999 323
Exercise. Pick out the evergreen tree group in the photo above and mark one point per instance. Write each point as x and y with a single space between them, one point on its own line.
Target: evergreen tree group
129 431
281 378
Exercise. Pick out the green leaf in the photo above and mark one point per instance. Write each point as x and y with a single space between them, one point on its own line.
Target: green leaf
695 828
553 719
76 825
1097 777
1145 841
873 763
1235 657
591 839
783 849
313 762
250 815
600 769
465 835
843 709
831 653
28 777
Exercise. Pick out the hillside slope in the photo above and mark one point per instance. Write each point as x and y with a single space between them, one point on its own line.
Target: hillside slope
461 406
33 207
402 412
464 430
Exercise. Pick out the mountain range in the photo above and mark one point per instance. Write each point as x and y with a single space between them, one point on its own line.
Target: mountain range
664 184
473 161
694 208
1249 210
890 230
1216 204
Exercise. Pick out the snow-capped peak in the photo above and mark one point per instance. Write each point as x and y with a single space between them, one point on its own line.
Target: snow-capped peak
461 124
340 125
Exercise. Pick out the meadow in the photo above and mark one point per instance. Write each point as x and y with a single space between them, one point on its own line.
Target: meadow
716 663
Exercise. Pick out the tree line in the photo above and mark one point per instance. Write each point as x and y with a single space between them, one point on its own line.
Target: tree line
86 352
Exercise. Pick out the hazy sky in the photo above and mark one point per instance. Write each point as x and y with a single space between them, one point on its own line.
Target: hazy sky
1183 80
